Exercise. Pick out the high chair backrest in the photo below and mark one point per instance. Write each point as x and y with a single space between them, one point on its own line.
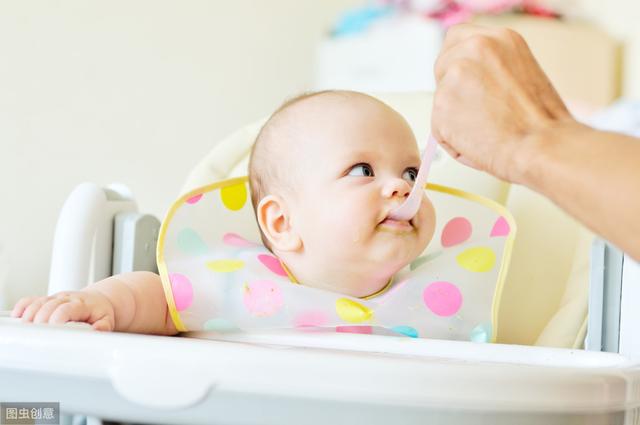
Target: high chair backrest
546 292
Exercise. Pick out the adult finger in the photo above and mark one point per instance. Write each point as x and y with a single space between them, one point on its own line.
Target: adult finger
452 152
477 50
461 32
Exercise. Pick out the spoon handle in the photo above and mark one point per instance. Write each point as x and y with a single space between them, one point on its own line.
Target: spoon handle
409 207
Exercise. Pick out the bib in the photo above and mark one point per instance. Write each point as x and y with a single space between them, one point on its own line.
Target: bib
217 275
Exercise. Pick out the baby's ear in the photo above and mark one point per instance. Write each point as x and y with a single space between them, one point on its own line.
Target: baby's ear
275 222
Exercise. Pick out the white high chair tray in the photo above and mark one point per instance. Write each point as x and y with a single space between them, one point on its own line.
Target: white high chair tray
279 378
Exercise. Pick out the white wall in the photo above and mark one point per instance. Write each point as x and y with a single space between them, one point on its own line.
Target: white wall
132 91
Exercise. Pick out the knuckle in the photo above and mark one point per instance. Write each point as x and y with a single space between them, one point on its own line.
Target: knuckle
50 303
25 300
439 104
458 71
481 45
34 304
510 35
458 29
451 34
438 68
60 314
65 308
68 295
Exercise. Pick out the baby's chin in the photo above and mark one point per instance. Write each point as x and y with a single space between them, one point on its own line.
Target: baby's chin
392 257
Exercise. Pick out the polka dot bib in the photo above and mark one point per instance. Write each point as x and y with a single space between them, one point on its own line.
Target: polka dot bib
217 275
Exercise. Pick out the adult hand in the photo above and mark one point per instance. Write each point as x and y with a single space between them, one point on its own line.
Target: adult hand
491 95
495 110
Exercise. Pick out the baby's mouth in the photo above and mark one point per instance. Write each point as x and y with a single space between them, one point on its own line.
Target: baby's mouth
396 225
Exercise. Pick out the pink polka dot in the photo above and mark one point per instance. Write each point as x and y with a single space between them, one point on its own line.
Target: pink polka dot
182 290
455 232
500 228
273 264
234 239
310 319
262 298
194 199
367 330
442 298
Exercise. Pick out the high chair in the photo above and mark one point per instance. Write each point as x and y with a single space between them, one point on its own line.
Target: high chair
536 374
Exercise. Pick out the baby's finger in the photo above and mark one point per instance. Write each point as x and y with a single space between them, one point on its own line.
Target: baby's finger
103 324
42 316
72 311
32 309
21 305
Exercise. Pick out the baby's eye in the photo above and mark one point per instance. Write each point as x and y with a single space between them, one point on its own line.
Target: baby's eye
410 174
364 170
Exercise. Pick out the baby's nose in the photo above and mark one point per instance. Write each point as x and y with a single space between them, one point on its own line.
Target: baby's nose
396 187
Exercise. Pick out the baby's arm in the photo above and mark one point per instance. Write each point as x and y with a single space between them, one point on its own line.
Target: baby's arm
129 302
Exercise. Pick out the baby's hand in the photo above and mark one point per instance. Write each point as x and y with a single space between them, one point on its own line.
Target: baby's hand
91 307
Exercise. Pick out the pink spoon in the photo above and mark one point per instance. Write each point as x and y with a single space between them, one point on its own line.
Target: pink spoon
408 209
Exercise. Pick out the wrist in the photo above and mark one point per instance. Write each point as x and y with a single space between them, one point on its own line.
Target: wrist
118 297
533 155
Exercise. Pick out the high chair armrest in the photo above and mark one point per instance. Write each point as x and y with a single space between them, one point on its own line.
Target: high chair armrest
98 234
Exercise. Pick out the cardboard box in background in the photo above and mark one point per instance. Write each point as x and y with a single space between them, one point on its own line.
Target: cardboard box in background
582 61
397 55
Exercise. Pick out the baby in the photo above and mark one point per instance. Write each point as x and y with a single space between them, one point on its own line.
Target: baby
325 171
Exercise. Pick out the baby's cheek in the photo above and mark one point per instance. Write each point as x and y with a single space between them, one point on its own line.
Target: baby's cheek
333 235
427 216
344 236
348 225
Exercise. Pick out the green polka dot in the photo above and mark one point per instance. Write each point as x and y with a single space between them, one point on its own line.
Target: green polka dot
405 330
220 325
190 242
481 333
424 259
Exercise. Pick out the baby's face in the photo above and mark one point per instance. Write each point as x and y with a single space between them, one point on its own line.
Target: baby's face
357 163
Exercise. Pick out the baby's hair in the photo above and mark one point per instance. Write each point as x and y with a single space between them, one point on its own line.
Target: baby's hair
264 176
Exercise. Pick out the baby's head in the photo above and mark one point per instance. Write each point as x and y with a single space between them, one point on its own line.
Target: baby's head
325 171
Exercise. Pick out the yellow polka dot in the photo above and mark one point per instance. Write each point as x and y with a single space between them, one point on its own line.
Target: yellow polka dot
225 266
478 259
234 197
353 312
